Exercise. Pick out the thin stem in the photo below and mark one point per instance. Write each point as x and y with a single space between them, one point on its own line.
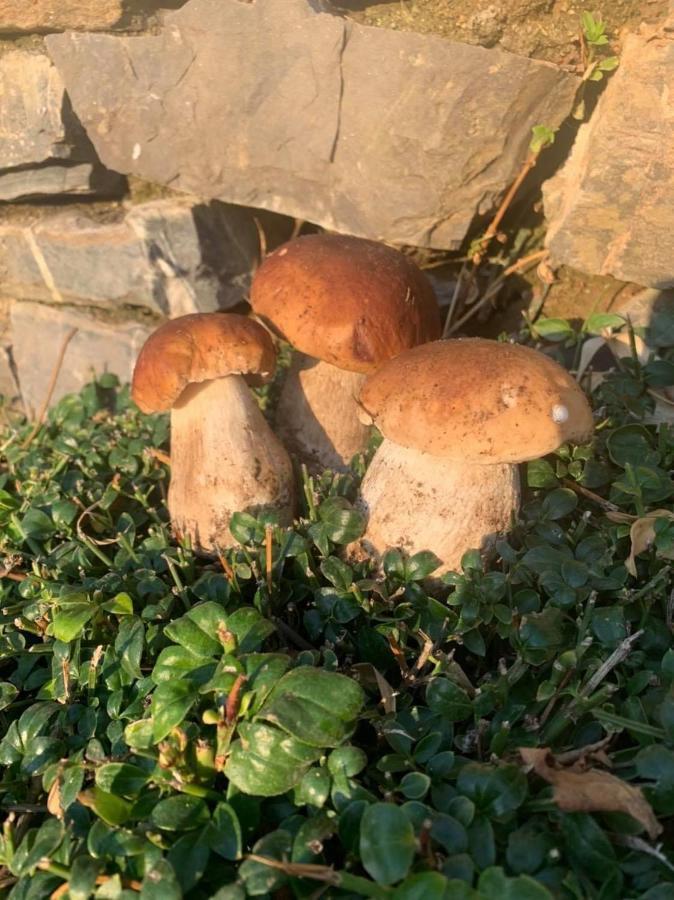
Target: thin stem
50 390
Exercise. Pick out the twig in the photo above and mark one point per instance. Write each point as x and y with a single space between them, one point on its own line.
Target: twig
234 700
50 390
669 613
227 569
262 239
572 756
13 576
520 266
642 846
292 635
492 229
555 697
590 495
621 652
454 300
268 555
158 455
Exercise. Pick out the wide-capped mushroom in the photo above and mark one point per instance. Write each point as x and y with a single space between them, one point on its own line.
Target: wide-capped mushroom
457 417
347 305
224 456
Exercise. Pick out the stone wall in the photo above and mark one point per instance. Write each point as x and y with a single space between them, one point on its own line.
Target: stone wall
143 155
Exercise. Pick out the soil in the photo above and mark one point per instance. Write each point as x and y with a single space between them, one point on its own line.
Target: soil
543 29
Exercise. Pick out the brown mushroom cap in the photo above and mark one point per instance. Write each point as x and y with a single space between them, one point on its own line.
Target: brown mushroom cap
477 401
348 301
196 348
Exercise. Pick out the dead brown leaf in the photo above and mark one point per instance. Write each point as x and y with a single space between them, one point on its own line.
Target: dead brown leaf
591 790
642 535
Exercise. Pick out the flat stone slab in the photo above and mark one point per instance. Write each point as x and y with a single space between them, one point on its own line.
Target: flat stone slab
37 333
32 129
172 257
384 134
610 209
80 179
43 149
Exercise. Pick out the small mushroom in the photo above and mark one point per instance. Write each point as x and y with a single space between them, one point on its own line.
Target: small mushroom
224 456
347 305
457 416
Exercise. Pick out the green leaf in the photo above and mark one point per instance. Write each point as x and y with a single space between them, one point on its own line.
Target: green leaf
541 136
317 707
180 813
559 503
341 522
599 322
71 617
495 791
554 330
177 662
588 845
121 778
198 630
111 809
493 884
160 883
48 838
37 525
83 874
266 762
415 785
249 628
314 788
224 833
120 605
387 843
8 693
259 879
171 702
631 444
448 700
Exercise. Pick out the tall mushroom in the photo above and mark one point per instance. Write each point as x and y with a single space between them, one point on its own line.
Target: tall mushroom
457 416
347 305
224 456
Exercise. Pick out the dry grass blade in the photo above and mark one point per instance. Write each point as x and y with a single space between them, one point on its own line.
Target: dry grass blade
50 390
591 790
298 870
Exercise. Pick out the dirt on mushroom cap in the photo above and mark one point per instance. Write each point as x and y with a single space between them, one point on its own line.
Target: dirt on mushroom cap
197 348
350 302
478 401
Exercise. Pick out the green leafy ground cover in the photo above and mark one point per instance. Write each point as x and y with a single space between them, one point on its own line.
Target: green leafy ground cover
280 723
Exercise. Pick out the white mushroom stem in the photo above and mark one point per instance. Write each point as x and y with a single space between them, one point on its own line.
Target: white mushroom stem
414 501
317 416
224 459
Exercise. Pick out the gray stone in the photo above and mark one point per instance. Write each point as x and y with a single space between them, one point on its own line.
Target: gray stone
32 129
99 346
43 149
55 180
390 135
170 256
610 209
652 311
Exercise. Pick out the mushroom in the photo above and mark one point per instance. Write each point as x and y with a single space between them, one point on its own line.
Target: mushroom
457 416
347 305
224 456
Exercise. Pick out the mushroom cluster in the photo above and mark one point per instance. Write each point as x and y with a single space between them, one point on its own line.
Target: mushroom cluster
347 305
224 456
457 417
